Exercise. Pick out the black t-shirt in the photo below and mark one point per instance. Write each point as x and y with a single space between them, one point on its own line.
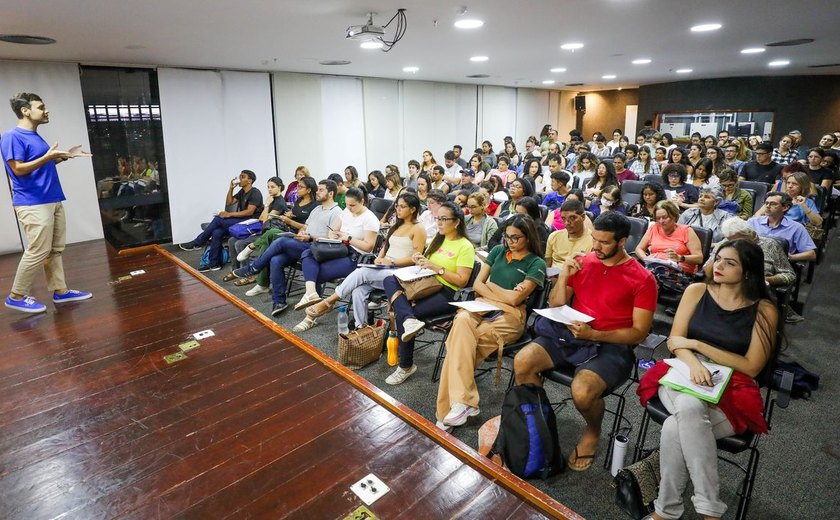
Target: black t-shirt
278 205
820 174
767 173
301 212
243 200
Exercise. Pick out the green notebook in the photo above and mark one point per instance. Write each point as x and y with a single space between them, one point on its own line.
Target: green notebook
679 378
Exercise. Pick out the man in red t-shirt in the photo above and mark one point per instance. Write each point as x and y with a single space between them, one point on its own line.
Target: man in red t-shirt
620 294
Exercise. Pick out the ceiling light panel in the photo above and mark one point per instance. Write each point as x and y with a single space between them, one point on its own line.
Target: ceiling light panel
468 23
706 27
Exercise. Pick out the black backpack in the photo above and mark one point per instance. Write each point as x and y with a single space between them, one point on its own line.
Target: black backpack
527 440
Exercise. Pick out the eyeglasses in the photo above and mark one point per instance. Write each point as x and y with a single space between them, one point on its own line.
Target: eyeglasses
513 238
673 174
728 184
445 219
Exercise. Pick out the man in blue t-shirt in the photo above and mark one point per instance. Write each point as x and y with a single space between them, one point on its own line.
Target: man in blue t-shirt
36 197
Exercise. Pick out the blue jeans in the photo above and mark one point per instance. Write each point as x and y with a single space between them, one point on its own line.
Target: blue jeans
320 272
280 254
217 229
435 305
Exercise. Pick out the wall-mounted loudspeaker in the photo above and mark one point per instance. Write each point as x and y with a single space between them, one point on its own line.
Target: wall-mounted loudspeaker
580 103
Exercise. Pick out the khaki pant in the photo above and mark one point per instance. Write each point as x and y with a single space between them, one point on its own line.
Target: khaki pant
46 232
470 341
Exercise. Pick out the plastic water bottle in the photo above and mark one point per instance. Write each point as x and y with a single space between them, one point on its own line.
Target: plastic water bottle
393 346
343 320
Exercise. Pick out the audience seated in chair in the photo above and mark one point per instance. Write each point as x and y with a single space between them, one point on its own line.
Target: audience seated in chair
731 320
609 285
665 239
428 219
774 223
480 226
707 214
451 256
646 208
573 240
275 207
405 239
249 204
508 277
285 251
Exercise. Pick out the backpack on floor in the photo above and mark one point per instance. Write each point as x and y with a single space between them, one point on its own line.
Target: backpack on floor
205 256
527 441
804 381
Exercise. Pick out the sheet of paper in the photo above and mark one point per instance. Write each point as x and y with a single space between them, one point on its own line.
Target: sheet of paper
657 260
564 314
412 272
551 272
679 377
476 306
250 221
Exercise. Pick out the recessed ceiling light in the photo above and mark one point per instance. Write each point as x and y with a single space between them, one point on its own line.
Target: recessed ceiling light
412 70
608 76
683 71
479 58
548 82
571 46
753 50
26 39
558 69
779 63
706 27
468 23
641 61
371 44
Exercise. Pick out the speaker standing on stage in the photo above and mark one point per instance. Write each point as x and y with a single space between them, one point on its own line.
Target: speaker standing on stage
36 197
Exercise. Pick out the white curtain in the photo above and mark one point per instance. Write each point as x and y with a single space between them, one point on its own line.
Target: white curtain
429 118
531 114
498 116
343 125
59 86
383 125
215 124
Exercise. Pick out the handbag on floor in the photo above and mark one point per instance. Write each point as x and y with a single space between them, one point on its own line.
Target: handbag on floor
637 486
323 251
363 346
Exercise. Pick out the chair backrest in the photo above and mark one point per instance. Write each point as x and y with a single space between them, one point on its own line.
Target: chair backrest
631 192
543 212
759 188
638 228
705 236
379 206
820 198
654 178
752 194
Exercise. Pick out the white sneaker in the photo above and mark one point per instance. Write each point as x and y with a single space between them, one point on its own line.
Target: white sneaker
459 414
447 429
244 254
400 375
256 290
411 327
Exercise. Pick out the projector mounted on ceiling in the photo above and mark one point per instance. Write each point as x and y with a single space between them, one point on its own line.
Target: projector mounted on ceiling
371 32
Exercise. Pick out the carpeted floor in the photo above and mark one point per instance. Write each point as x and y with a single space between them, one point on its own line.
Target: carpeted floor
799 464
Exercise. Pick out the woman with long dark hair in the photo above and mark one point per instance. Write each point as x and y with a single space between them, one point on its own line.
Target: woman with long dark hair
351 177
451 256
604 176
376 184
516 190
508 277
732 321
644 164
652 193
405 239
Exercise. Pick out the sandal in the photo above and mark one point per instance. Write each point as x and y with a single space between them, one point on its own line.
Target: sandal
307 300
228 277
319 309
578 457
305 325
248 280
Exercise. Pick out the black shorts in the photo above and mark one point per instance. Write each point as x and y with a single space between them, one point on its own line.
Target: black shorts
613 364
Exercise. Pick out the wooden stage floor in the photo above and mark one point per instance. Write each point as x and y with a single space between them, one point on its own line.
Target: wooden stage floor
94 423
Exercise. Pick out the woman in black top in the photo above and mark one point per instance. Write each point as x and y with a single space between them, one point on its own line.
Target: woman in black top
376 184
523 206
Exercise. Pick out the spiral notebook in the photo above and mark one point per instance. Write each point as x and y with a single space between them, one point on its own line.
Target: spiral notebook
679 378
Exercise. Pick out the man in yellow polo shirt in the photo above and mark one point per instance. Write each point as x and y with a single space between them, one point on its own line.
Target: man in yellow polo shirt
574 240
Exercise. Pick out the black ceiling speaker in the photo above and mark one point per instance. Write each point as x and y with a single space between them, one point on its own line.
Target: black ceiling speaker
580 103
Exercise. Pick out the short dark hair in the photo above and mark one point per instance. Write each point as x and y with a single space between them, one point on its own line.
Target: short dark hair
674 167
613 222
449 155
439 168
437 196
336 178
817 150
573 205
330 186
561 176
458 147
415 163
250 174
554 157
785 198
766 147
632 148
23 100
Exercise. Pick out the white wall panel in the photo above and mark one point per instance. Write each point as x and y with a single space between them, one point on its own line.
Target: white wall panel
298 124
215 124
429 116
59 86
498 115
532 112
466 118
383 125
343 125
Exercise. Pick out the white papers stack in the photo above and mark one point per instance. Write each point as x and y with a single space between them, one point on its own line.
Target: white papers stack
250 221
564 314
679 378
412 272
476 306
657 260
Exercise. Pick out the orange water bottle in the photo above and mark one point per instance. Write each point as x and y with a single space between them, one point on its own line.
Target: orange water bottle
392 345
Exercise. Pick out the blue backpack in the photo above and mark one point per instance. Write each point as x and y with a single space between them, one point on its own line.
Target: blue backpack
205 256
528 441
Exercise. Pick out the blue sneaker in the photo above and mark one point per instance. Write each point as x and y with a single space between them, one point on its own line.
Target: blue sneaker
71 296
245 271
25 304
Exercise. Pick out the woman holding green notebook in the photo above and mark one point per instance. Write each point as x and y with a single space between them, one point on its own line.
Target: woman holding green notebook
732 322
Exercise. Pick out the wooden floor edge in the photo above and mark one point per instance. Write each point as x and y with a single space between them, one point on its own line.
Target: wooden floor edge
518 487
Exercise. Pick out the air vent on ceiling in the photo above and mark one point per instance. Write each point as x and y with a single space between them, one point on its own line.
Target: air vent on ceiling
791 43
26 39
824 66
574 84
478 76
334 62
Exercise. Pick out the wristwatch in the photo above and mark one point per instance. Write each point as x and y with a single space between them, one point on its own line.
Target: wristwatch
682 258
441 271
